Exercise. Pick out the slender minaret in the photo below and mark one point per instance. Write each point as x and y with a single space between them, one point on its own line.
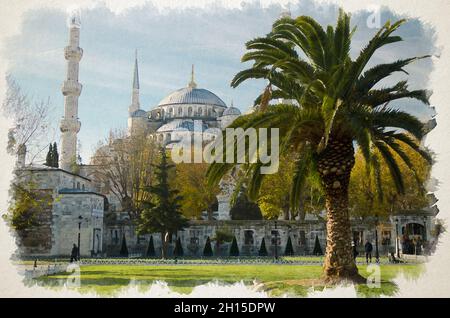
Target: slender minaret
71 89
192 83
135 93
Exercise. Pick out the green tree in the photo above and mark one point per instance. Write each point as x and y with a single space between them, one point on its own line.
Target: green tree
367 200
162 212
178 251
273 196
55 156
289 250
207 250
27 202
336 105
49 157
221 236
151 248
234 248
262 249
197 195
245 209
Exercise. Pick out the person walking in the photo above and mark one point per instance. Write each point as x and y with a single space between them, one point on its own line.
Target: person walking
74 253
368 249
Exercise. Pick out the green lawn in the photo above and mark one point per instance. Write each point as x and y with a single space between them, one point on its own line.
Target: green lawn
294 280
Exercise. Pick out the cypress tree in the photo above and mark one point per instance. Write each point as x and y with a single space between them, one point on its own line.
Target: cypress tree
263 249
124 249
317 248
49 158
207 251
178 251
151 248
55 157
163 213
234 249
289 251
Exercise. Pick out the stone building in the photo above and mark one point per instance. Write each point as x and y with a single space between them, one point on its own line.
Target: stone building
75 208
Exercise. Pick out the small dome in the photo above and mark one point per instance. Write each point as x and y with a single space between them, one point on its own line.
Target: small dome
231 111
179 125
192 95
139 113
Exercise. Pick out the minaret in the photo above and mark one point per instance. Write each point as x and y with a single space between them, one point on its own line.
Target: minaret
135 93
71 89
192 83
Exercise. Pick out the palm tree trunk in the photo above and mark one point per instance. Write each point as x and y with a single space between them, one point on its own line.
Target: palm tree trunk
335 165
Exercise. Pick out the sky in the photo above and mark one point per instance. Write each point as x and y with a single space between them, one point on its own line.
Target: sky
168 43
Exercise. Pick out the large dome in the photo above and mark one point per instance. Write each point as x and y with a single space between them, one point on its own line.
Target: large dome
192 95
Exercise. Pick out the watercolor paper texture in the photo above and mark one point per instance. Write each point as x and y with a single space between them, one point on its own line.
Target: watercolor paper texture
107 70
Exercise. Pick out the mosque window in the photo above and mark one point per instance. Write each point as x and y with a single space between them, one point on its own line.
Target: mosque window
180 111
171 112
248 237
275 239
78 186
194 240
190 111
200 111
82 187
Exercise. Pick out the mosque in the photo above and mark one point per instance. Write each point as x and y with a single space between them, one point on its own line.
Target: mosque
79 209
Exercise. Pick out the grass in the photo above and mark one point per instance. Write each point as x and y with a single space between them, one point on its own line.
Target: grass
293 280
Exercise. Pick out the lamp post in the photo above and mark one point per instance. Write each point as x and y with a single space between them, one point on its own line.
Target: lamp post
80 219
276 241
377 254
396 238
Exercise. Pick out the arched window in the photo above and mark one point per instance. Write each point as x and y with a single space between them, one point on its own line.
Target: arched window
78 186
200 111
170 112
190 111
82 187
180 111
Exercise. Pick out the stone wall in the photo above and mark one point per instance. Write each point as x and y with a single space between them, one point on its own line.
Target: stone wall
249 235
68 209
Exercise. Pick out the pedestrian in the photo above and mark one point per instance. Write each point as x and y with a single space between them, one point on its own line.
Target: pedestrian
368 249
355 251
74 253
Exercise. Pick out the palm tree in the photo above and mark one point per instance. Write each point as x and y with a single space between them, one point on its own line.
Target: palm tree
337 105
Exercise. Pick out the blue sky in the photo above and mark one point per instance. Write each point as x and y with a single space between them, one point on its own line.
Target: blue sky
168 43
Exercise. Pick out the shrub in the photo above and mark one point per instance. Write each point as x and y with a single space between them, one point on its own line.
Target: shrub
151 248
207 251
317 248
289 251
178 251
234 249
124 249
263 249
